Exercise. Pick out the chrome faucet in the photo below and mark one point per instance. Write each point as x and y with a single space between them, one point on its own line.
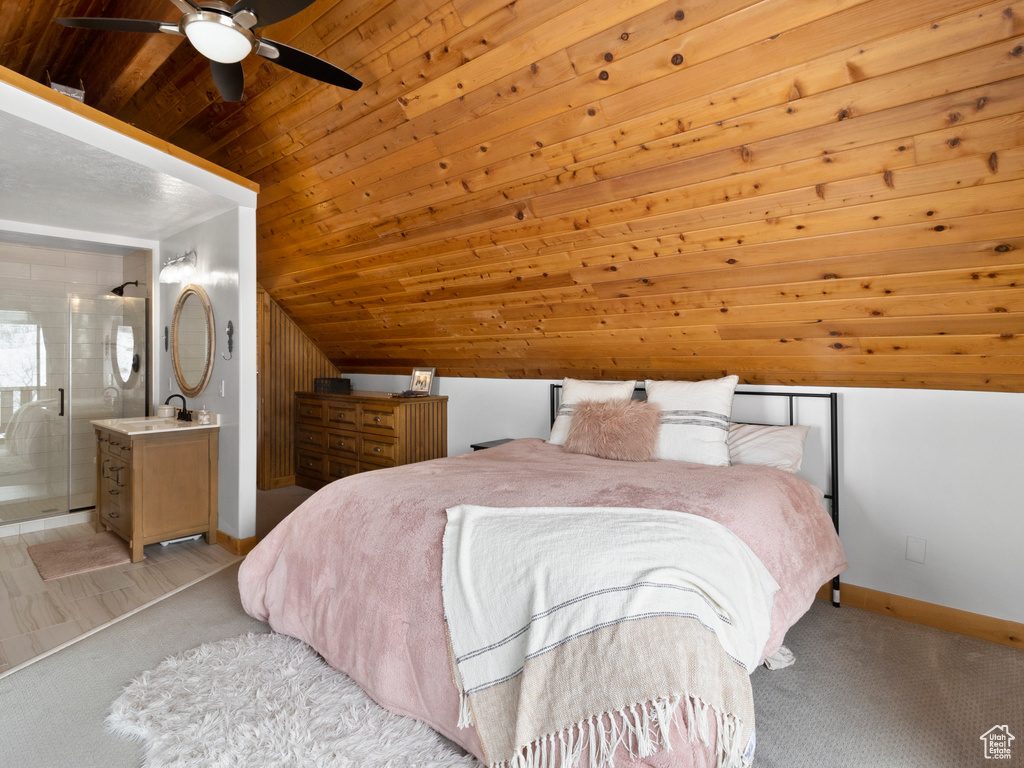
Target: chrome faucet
183 413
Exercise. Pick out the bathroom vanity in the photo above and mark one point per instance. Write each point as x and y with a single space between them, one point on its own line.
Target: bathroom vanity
156 479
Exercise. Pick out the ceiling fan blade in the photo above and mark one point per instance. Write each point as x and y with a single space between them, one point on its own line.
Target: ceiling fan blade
270 11
229 79
307 64
119 25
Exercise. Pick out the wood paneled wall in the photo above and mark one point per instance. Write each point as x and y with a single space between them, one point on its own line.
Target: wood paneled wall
826 192
288 363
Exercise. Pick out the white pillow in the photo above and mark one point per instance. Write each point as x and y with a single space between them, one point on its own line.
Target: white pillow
779 447
694 420
574 390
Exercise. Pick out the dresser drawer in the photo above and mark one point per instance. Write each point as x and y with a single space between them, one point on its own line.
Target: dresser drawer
115 445
340 468
337 435
343 444
309 411
112 516
115 474
378 450
120 446
306 435
377 417
342 415
310 465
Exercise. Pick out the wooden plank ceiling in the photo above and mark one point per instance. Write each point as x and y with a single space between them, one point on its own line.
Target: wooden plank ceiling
795 192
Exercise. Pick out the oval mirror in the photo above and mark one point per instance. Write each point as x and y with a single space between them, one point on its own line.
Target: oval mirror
192 340
125 360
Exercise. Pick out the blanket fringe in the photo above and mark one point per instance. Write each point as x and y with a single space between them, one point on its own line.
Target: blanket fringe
465 713
642 729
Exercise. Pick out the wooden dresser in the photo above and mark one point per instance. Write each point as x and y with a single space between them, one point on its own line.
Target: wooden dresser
340 435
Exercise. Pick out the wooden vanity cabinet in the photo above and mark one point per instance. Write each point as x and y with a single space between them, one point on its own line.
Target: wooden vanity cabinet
340 435
113 485
157 486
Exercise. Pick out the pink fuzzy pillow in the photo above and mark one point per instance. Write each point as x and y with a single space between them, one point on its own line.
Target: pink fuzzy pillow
625 430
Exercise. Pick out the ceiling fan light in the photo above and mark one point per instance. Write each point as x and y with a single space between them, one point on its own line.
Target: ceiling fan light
218 41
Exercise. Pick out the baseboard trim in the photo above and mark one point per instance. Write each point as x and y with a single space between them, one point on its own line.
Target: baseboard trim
236 546
995 630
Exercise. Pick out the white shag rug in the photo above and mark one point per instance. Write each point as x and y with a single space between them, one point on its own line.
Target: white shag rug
268 700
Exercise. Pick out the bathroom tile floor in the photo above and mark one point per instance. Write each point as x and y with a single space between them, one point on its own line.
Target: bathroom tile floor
37 616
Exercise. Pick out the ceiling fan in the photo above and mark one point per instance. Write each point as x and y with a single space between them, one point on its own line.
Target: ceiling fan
223 34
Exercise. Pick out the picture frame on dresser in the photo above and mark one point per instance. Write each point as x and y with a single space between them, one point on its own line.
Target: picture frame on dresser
421 380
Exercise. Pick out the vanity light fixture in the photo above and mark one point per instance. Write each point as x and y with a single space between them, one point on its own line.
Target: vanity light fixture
179 269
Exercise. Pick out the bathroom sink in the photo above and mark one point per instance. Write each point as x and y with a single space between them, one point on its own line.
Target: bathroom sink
154 422
139 425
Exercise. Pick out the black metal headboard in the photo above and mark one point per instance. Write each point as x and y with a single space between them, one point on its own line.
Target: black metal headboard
831 494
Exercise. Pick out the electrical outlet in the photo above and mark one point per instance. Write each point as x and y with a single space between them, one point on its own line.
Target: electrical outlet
916 549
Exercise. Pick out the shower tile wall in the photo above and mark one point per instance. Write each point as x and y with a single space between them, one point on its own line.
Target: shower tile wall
37 281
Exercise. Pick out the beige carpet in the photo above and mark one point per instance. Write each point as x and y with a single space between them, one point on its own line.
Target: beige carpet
866 691
274 506
66 557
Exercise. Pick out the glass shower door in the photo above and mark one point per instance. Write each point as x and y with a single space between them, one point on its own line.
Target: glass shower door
64 361
108 380
34 384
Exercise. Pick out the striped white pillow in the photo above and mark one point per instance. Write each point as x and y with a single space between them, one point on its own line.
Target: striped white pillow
574 390
694 420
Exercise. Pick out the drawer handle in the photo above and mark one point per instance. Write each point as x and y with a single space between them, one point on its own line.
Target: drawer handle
113 492
378 449
376 419
309 437
112 515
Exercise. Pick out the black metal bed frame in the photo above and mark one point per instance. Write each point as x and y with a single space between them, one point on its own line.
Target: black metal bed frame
832 397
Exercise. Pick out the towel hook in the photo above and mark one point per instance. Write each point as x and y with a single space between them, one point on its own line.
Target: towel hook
230 330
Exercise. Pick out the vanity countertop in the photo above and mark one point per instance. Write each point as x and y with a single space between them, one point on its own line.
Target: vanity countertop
147 425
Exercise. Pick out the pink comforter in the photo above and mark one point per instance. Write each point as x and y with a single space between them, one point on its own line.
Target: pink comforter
355 571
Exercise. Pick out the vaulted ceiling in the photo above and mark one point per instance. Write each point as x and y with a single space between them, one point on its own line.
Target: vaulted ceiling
815 193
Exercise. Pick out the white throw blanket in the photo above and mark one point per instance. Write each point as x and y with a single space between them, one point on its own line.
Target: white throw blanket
521 584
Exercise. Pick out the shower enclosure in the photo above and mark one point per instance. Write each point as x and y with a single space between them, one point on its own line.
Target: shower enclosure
64 360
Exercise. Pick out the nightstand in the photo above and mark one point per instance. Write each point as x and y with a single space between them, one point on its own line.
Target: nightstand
491 443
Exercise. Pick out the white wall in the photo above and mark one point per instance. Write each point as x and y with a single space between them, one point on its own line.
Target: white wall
231 392
943 466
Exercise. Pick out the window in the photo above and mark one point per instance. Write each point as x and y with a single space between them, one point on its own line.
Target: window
23 352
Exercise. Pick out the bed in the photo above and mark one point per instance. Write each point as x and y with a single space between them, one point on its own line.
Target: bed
367 573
